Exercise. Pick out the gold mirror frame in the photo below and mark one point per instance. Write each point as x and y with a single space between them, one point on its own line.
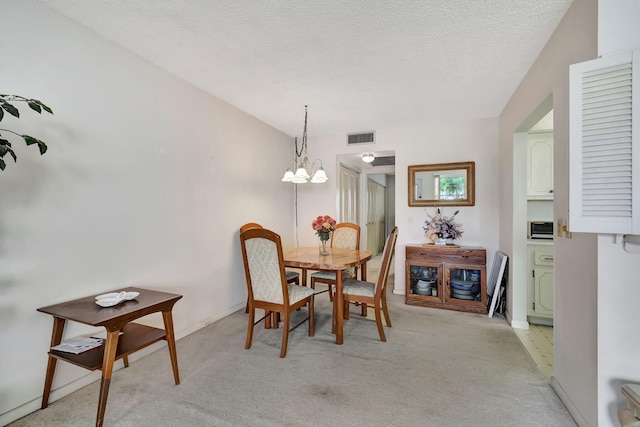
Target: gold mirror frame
417 183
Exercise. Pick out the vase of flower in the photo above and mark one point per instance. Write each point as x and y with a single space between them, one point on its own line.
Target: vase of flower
324 225
323 243
438 228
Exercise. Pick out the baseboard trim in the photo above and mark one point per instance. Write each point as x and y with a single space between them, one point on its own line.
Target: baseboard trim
577 417
515 324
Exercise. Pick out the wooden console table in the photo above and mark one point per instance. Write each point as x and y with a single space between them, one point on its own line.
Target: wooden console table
115 320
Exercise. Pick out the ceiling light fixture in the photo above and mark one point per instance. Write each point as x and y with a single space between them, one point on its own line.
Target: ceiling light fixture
368 157
301 163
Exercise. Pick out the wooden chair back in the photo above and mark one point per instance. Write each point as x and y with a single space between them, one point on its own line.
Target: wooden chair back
385 265
249 226
346 236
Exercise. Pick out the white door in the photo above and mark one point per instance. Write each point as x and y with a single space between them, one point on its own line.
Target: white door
376 194
349 195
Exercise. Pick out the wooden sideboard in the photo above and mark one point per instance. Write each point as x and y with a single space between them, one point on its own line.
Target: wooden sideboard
449 277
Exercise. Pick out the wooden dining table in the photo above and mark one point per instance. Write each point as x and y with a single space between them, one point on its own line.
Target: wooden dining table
338 260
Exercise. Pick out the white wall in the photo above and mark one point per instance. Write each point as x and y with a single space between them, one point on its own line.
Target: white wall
432 143
146 182
576 303
618 270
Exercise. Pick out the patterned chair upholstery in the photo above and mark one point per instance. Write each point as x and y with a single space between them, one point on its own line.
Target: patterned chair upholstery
267 285
373 294
347 236
292 276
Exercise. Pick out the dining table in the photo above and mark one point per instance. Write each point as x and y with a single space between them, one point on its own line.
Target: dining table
338 260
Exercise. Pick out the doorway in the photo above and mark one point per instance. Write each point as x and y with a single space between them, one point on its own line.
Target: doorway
366 196
532 293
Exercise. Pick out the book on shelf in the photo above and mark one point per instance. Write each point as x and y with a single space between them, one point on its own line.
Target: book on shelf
78 345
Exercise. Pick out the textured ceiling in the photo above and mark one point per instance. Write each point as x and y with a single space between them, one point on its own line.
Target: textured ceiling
359 64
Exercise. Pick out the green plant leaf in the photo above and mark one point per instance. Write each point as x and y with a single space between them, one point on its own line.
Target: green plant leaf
5 142
34 106
10 109
44 107
30 140
1 113
4 150
2 164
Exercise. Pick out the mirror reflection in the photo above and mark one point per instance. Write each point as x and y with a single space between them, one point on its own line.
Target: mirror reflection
444 184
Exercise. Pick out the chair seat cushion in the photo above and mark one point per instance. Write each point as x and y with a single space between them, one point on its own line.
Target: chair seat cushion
297 293
358 287
292 275
330 275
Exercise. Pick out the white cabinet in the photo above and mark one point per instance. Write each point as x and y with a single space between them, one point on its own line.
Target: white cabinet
540 166
541 284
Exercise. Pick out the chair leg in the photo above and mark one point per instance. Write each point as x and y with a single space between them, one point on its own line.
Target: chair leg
330 291
276 320
386 311
285 334
252 314
379 323
312 325
267 320
246 308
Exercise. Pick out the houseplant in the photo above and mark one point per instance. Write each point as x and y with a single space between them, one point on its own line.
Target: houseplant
6 105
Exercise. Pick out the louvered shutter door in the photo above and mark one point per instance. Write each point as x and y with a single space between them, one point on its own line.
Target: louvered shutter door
349 200
604 182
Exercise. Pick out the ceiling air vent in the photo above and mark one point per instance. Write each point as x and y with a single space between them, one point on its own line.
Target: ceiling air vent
360 138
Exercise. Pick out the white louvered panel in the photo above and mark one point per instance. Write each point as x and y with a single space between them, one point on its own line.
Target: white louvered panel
602 194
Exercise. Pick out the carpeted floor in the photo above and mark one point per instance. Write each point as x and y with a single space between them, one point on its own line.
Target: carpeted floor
437 368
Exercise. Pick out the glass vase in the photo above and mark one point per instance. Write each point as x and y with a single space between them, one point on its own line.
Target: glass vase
323 246
441 241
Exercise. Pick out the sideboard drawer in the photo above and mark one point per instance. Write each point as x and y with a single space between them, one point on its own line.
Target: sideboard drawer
447 254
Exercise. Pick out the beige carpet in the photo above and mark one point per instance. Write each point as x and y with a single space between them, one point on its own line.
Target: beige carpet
438 368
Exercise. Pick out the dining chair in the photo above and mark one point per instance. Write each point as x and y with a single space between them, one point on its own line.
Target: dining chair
346 235
292 276
267 284
373 294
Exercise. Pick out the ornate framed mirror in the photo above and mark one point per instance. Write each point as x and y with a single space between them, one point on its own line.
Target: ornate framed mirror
442 184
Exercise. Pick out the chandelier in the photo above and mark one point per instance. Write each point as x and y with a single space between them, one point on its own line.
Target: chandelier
301 163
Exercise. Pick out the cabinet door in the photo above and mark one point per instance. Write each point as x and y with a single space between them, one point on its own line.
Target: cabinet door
540 166
543 287
424 280
465 284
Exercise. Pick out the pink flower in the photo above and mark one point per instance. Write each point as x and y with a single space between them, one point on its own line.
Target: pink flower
323 224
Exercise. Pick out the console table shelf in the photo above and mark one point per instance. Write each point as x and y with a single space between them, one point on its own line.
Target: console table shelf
134 337
453 278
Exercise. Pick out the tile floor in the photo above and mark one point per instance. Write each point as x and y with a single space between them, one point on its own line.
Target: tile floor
538 340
